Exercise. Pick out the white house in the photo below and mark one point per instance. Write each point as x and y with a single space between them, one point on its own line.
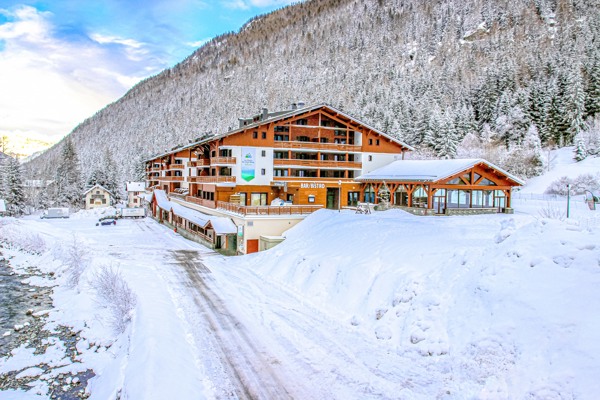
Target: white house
97 196
134 190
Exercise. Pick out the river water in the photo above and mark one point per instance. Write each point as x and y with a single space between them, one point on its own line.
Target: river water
15 299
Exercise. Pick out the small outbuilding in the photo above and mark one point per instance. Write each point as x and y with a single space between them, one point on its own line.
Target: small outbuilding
450 187
134 191
96 197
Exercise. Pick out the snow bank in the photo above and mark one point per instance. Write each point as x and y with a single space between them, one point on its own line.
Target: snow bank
499 305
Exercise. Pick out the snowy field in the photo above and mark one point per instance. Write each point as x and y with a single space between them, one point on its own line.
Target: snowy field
381 306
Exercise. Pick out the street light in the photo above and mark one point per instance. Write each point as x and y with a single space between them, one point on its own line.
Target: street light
568 199
340 195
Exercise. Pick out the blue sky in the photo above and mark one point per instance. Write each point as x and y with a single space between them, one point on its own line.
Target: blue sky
62 60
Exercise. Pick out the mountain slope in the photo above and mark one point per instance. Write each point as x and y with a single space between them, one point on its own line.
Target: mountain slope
405 66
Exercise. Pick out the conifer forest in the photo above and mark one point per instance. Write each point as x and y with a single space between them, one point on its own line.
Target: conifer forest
502 80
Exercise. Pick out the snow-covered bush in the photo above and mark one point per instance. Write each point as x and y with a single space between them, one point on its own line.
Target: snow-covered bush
77 262
577 185
588 139
552 211
13 237
113 294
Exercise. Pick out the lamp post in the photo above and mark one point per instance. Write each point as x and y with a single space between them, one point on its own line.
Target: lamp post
340 195
568 199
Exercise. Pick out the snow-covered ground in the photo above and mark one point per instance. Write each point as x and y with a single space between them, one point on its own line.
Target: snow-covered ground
349 306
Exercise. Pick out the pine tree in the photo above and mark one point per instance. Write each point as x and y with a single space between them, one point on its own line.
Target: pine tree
592 101
580 151
14 193
111 173
68 186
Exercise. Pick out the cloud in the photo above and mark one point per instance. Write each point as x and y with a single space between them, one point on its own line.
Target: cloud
50 83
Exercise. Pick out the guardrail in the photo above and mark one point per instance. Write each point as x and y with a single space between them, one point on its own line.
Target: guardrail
267 210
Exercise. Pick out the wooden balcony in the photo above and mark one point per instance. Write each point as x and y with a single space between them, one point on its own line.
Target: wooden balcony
169 178
293 162
267 210
295 145
222 161
211 179
175 166
199 163
200 202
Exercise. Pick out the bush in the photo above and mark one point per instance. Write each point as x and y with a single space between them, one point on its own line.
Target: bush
77 262
14 237
578 185
552 211
113 294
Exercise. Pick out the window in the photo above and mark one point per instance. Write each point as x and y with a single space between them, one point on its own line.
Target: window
370 142
263 153
264 135
178 161
302 121
243 198
254 135
258 199
377 142
282 129
353 198
263 171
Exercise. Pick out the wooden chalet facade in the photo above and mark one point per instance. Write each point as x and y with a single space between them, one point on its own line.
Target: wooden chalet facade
306 157
461 186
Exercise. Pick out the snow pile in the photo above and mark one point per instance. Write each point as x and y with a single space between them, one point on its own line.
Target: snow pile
497 305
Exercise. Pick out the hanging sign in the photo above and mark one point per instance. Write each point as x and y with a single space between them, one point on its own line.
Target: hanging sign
248 163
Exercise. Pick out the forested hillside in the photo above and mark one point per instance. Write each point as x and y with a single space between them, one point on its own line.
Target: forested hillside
454 78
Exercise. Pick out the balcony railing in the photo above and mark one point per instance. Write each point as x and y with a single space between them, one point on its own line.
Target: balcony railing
293 162
317 146
200 202
199 163
176 166
211 179
267 210
222 161
169 178
310 178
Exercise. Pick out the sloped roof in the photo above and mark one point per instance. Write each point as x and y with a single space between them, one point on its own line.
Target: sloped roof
135 186
428 170
221 225
96 186
278 116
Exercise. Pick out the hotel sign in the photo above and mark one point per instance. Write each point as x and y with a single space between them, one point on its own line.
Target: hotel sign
248 163
312 185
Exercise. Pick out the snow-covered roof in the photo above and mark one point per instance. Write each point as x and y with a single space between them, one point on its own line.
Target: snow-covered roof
96 186
135 186
161 199
282 115
221 225
146 196
2 206
193 216
428 170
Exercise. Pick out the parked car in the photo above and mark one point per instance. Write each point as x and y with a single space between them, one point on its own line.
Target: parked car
106 221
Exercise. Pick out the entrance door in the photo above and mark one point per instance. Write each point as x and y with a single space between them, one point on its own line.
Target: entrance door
333 198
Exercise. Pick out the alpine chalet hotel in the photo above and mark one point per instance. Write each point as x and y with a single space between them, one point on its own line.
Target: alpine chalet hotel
269 173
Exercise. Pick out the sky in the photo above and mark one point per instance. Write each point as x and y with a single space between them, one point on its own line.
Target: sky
63 60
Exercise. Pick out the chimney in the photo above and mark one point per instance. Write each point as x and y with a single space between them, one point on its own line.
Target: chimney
265 114
242 122
294 106
301 104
